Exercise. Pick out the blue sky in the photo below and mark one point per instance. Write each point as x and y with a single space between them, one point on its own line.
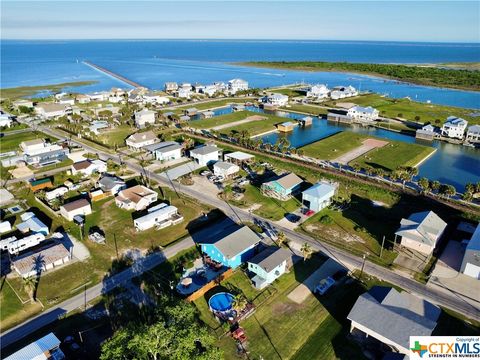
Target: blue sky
436 21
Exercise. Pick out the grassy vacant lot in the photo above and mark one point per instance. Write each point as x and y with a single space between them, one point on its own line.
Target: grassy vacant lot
32 90
269 208
389 157
280 328
14 127
258 127
334 146
65 282
411 110
221 119
308 109
11 142
393 155
289 92
117 136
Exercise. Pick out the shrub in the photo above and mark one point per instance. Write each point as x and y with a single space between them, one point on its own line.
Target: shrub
326 219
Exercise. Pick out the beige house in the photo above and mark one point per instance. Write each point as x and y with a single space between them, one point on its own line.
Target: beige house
421 231
139 140
136 198
51 256
77 207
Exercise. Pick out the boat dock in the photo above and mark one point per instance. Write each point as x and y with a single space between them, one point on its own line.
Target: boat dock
112 74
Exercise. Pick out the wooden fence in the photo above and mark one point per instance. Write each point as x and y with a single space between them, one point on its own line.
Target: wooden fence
200 292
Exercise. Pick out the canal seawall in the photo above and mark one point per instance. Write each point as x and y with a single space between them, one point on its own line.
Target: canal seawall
112 74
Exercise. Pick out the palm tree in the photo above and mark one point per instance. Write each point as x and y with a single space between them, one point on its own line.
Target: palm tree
356 167
424 184
29 284
282 238
239 302
306 250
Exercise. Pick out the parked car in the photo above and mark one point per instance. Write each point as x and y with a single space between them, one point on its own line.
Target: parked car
293 218
324 285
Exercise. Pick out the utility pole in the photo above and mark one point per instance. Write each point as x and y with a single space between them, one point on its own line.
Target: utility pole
363 265
381 249
116 247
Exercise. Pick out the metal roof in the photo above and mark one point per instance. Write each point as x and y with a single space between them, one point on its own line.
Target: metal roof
36 349
240 156
425 227
204 150
320 190
236 242
271 257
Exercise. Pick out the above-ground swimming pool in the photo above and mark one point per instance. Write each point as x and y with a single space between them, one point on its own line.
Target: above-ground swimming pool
221 302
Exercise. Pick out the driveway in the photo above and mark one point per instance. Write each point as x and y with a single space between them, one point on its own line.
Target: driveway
179 171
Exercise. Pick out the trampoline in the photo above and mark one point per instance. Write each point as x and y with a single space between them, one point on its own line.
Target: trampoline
221 302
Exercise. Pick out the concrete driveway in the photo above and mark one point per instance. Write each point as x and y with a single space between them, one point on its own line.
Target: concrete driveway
179 171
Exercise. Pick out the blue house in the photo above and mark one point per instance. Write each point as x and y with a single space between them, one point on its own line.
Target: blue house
233 249
269 265
283 187
319 196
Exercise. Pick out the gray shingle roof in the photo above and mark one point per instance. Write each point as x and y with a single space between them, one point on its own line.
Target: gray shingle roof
395 315
235 242
271 257
425 227
204 150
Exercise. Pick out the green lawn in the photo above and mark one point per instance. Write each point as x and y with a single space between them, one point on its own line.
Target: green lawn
32 90
117 224
221 119
289 92
407 109
211 104
393 155
270 208
388 157
280 328
11 142
116 136
257 127
15 127
308 109
334 146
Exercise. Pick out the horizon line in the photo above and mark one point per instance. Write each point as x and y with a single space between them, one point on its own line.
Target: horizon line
239 39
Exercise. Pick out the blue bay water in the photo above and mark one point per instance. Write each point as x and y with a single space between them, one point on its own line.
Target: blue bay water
153 62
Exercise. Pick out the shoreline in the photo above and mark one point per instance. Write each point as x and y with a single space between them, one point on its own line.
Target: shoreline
417 165
353 72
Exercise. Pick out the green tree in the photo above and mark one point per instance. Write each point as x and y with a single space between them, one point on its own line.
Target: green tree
306 250
435 185
239 302
467 196
447 190
424 184
29 284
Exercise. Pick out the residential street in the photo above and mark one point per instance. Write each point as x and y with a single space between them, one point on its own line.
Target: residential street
443 298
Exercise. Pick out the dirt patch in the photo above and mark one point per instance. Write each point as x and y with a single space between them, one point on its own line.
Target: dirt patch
334 233
284 308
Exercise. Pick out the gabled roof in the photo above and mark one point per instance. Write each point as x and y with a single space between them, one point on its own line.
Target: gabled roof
108 182
271 257
144 112
424 227
289 181
234 243
142 137
37 348
395 315
135 193
164 146
204 150
77 204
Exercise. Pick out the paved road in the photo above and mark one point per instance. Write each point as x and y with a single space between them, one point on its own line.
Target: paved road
442 298
13 132
120 279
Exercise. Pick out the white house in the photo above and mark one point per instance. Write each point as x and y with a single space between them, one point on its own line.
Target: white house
15 246
141 139
171 87
454 127
319 196
471 258
209 90
67 101
52 256
160 216
205 154
98 125
88 167
32 145
168 151
364 114
318 91
111 184
40 152
421 231
473 134
184 93
276 99
152 98
31 224
341 92
82 99
269 265
77 207
427 132
144 117
6 119
5 227
56 193
50 110
235 85
99 96
136 198
225 169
